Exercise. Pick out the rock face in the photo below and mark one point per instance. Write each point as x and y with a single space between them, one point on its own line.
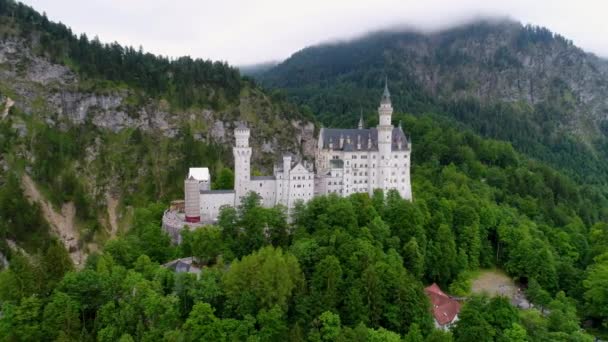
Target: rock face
61 222
53 92
509 63
35 92
305 136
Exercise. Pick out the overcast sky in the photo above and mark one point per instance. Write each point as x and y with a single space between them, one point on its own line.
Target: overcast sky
251 31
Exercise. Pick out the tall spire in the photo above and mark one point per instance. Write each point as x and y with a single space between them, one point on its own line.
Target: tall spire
386 95
386 86
361 119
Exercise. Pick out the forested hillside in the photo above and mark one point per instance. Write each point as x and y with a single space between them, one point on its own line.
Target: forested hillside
97 137
516 83
89 130
346 269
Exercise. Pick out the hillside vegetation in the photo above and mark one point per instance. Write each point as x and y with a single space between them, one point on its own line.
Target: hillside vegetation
346 268
516 83
86 127
97 124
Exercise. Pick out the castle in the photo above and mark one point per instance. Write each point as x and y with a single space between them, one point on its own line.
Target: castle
347 161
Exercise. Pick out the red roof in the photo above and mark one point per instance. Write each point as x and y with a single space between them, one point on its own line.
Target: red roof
444 307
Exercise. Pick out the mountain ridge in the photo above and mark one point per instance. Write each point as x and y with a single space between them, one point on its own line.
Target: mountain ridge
522 84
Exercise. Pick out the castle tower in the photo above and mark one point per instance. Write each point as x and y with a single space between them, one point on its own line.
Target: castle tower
284 199
242 165
385 132
198 180
286 164
192 199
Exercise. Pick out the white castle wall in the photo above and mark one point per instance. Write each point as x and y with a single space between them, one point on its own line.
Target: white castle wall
301 185
212 201
353 163
266 188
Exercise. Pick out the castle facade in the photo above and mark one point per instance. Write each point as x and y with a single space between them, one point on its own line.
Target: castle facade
347 161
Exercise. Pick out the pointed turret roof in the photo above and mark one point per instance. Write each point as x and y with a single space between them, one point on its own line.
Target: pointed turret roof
361 120
386 95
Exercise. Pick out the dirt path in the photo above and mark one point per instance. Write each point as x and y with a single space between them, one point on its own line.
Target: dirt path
62 223
112 205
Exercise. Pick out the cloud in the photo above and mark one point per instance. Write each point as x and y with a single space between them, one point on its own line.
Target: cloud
252 31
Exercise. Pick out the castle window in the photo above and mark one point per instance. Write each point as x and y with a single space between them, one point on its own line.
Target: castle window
260 185
355 156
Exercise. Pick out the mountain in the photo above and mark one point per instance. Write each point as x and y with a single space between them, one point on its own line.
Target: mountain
91 129
95 140
518 83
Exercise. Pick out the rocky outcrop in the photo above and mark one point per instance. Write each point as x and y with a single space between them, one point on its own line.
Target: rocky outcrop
7 105
488 61
53 92
305 135
34 91
505 63
62 222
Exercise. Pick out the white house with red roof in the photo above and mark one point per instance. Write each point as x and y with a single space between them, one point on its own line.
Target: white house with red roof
445 308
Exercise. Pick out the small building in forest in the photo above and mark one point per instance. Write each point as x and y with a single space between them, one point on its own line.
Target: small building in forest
445 308
184 265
